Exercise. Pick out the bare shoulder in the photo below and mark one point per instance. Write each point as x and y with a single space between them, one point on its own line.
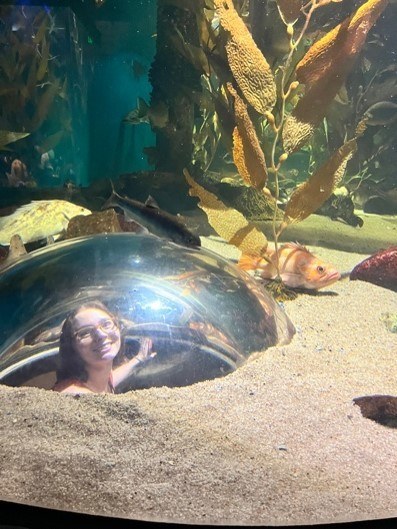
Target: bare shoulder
75 390
70 387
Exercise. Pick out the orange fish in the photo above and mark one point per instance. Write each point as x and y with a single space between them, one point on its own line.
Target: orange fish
299 268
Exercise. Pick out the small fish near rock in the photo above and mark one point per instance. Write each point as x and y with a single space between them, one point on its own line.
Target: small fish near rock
340 207
298 267
379 269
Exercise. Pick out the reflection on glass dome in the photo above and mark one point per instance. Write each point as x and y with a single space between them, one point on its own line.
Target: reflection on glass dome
201 315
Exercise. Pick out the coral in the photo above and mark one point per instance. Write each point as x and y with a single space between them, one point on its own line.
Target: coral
248 65
247 153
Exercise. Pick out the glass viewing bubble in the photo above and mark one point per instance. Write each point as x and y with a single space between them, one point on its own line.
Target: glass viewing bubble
203 315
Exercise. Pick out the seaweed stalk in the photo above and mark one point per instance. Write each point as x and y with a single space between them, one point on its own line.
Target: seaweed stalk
285 94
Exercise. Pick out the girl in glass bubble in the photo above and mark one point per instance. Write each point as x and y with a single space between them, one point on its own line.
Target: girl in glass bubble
91 352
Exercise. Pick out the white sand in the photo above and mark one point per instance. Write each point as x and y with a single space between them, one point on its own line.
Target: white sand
277 442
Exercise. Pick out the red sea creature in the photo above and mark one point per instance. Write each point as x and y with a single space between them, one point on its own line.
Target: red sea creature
379 269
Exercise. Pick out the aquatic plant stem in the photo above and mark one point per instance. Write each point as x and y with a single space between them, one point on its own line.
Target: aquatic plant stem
277 128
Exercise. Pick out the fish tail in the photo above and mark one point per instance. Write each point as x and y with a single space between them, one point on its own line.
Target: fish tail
109 202
249 262
114 192
263 265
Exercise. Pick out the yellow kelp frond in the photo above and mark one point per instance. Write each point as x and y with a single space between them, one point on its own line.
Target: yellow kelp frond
247 63
296 133
329 55
309 196
290 9
229 223
247 153
324 69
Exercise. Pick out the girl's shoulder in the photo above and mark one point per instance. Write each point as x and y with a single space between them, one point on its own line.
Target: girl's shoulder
71 385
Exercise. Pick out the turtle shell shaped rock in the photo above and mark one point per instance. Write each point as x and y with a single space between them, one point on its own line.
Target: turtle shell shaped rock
204 315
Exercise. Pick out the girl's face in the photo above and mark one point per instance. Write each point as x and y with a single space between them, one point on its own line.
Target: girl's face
96 336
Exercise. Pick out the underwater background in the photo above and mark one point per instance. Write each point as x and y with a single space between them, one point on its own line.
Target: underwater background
278 110
135 137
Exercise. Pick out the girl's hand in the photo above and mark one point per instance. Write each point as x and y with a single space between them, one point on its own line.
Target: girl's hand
145 350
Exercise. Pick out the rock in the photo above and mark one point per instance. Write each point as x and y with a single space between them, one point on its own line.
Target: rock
390 321
379 408
98 222
379 269
107 221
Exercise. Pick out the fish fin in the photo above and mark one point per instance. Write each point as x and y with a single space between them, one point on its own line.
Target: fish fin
151 202
295 246
247 262
114 192
143 229
139 114
17 248
66 216
109 201
255 262
4 221
143 107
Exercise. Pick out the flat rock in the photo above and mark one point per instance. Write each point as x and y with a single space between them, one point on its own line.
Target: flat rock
379 408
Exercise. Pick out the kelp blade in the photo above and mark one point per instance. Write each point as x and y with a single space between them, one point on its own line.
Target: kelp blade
229 223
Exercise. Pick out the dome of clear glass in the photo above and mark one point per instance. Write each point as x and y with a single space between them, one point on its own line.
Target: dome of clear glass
203 315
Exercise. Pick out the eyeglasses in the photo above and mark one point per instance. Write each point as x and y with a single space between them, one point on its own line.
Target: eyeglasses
86 334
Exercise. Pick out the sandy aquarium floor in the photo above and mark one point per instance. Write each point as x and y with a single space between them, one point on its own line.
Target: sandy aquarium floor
277 442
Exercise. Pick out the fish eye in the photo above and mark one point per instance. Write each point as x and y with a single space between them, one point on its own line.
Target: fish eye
320 269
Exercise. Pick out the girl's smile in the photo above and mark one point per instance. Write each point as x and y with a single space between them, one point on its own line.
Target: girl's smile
97 337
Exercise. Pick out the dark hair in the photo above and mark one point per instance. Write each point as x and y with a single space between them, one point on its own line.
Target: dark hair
71 363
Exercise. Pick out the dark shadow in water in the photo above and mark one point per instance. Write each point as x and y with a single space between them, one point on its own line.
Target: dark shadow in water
379 408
